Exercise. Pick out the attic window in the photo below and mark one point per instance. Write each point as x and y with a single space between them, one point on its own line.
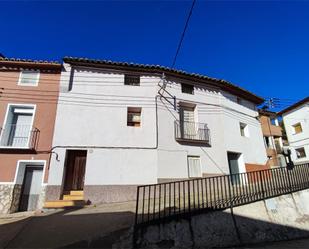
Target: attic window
186 88
29 78
131 80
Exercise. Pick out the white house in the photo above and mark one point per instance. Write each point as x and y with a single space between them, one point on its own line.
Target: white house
296 123
119 125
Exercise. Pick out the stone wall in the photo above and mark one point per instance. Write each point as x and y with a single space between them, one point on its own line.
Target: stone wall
280 218
10 195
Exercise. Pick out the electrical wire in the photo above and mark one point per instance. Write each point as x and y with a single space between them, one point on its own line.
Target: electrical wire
183 34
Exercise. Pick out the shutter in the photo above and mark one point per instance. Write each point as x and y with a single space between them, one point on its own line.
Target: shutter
194 166
29 77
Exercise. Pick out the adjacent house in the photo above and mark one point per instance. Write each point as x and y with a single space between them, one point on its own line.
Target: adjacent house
28 101
272 135
296 123
119 125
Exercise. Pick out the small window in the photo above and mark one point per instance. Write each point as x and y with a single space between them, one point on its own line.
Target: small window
297 128
267 142
185 88
300 152
244 130
29 78
131 80
134 116
239 101
194 166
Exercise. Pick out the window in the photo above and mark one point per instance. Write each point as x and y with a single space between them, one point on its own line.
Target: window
273 121
297 128
238 100
29 78
300 152
134 116
17 128
131 80
185 88
267 142
194 166
244 130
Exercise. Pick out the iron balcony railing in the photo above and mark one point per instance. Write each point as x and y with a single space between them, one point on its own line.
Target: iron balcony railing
18 137
191 132
159 202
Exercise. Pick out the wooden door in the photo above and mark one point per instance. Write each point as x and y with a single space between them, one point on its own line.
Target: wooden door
75 170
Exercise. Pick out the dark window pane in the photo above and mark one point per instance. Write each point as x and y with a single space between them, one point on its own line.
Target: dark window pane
185 88
132 80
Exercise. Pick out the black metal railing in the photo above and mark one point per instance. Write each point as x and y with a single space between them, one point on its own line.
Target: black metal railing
19 137
157 202
191 131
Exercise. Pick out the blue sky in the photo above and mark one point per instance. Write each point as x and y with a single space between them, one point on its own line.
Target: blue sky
261 46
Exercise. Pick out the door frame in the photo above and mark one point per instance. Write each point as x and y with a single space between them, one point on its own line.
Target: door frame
24 163
21 171
63 190
240 162
23 184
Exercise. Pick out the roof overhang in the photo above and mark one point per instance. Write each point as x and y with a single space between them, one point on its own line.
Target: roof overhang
222 84
15 64
294 106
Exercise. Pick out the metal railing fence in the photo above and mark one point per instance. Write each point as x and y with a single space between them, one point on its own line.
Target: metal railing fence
157 202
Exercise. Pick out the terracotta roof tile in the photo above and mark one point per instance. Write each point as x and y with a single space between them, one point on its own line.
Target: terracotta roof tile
223 83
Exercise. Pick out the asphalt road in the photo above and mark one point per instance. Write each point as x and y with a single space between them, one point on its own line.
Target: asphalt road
292 244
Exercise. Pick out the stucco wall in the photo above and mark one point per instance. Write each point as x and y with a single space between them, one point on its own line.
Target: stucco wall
222 114
122 155
298 115
44 97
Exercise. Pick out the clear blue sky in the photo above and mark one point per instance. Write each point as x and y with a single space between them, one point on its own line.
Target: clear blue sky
261 46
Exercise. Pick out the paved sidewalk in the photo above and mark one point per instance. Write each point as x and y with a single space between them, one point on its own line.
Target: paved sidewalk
64 227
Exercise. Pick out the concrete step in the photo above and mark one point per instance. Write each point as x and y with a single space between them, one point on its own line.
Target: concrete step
64 203
75 192
73 197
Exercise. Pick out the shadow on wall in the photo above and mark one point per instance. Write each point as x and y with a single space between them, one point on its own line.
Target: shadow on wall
219 229
97 227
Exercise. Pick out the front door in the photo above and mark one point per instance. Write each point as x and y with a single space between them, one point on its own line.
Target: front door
234 166
75 170
31 189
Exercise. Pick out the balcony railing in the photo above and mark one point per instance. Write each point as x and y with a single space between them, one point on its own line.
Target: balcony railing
18 137
191 132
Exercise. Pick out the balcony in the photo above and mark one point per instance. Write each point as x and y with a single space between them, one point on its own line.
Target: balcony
192 132
272 130
15 137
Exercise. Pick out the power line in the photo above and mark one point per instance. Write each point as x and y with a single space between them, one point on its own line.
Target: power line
183 34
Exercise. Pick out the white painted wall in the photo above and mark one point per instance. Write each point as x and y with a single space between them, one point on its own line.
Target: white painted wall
298 115
222 114
93 113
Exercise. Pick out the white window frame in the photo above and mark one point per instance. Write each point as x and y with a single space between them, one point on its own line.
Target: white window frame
200 164
245 129
301 127
33 71
303 147
5 121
